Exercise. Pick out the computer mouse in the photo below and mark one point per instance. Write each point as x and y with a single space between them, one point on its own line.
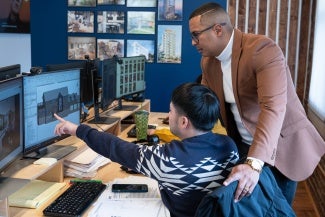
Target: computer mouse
153 139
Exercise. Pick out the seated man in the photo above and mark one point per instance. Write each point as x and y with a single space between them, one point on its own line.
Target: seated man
186 170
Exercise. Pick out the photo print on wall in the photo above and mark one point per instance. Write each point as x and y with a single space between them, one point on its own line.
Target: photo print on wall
81 3
81 21
107 48
141 47
141 22
110 22
170 10
110 2
79 47
141 3
169 44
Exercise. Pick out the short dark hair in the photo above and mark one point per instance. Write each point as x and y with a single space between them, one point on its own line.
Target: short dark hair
205 8
199 103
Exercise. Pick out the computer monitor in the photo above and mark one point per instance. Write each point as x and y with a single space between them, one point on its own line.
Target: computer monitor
11 71
104 90
85 66
45 94
11 121
130 80
117 78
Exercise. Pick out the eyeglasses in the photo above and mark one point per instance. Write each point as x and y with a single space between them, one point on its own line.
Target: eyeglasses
195 35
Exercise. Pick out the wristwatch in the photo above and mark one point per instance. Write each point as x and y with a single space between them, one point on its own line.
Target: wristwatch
254 164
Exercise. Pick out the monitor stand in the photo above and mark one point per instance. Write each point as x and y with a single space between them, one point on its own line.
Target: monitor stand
103 120
122 107
100 119
37 154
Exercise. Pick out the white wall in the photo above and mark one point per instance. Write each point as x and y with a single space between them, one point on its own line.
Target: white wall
15 49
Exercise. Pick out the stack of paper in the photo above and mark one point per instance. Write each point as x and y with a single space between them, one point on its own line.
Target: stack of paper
131 204
84 163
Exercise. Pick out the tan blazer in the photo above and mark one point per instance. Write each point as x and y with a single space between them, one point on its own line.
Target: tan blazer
268 105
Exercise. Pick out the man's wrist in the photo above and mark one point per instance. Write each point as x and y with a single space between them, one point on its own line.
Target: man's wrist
255 164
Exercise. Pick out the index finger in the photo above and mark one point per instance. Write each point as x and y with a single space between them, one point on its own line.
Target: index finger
58 118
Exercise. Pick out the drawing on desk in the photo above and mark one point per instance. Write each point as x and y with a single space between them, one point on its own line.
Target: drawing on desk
147 204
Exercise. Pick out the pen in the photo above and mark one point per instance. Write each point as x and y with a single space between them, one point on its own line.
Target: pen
85 180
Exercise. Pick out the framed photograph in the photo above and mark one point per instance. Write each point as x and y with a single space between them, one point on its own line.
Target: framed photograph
79 47
141 47
15 16
169 44
81 3
110 2
107 48
170 10
141 22
141 3
81 21
110 22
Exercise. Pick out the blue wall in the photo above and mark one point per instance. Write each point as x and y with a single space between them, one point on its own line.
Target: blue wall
49 46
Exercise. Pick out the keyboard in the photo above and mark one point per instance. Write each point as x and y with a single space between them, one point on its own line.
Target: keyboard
75 200
61 152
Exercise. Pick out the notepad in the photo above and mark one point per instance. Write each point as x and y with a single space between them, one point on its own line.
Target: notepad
147 204
35 193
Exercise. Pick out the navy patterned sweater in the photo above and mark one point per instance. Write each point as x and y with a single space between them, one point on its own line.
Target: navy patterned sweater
186 170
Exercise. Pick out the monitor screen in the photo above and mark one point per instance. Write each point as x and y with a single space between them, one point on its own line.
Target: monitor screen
130 76
130 79
11 121
9 71
45 94
86 95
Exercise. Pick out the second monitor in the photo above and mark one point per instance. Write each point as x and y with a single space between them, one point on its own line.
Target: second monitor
120 78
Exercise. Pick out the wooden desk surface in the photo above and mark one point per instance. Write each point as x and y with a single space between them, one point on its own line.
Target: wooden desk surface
106 174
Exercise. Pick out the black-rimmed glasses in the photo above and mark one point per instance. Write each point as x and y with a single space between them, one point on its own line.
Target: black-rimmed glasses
195 35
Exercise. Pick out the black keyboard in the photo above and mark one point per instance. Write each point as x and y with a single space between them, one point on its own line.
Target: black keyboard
61 152
75 200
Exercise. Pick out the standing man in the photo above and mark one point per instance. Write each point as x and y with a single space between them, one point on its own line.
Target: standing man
186 170
259 106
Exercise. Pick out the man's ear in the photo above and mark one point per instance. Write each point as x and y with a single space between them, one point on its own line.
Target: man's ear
185 122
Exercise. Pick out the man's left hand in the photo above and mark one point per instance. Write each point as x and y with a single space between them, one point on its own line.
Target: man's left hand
247 180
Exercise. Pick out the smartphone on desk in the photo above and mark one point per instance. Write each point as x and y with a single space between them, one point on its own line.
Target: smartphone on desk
129 188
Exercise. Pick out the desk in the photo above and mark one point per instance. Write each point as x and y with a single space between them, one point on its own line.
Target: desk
106 173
